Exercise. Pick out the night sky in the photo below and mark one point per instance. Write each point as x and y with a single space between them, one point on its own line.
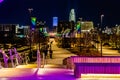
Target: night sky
16 11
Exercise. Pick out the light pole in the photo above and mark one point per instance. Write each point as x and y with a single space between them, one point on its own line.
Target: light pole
80 19
30 11
39 24
101 17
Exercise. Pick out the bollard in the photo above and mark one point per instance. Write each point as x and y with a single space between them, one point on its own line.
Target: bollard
43 60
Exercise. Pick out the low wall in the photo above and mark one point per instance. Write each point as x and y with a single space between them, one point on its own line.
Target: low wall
105 59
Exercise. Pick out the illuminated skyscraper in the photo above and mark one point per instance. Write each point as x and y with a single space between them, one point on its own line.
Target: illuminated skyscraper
72 15
55 21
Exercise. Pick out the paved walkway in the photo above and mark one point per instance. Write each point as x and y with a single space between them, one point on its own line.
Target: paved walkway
108 51
59 54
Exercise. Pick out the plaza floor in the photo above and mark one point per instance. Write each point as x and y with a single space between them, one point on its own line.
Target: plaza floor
54 69
50 74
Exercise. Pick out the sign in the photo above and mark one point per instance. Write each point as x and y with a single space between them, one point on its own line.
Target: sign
33 21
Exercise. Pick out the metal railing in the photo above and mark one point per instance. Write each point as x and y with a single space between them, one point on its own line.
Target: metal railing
5 58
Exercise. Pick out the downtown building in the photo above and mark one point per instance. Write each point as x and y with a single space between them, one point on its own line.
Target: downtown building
10 32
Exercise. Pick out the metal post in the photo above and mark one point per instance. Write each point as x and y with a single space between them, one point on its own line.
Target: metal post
16 56
101 47
101 33
30 11
43 60
11 57
80 33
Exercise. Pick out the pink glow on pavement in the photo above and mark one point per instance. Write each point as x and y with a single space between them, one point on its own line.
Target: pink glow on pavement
36 74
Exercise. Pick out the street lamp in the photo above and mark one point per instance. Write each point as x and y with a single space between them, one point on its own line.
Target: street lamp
30 11
101 32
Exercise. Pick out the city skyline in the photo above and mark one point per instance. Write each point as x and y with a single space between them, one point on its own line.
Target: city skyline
12 11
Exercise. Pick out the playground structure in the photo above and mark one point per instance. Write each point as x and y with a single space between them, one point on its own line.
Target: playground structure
13 59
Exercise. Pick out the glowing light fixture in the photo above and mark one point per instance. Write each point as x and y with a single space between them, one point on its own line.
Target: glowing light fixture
78 27
33 20
41 29
1 1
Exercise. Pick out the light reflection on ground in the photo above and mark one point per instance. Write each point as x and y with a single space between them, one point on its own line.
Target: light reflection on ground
50 74
36 74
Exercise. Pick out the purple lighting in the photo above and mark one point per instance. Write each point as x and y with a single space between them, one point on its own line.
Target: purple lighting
1 1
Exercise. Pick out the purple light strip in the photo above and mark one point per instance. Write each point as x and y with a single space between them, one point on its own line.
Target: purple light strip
99 68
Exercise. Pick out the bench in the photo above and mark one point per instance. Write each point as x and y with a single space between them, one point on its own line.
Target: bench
98 68
79 59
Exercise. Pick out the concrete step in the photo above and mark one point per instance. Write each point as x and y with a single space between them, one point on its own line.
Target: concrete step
27 66
45 66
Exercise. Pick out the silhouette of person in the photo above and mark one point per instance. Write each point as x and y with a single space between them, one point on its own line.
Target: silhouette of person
50 52
46 50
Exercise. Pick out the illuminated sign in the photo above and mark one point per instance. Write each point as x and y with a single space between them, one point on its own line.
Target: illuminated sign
55 21
78 27
33 21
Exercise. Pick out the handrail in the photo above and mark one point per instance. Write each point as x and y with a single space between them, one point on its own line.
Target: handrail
15 56
11 58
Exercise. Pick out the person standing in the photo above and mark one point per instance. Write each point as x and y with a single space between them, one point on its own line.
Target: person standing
50 45
50 52
46 50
